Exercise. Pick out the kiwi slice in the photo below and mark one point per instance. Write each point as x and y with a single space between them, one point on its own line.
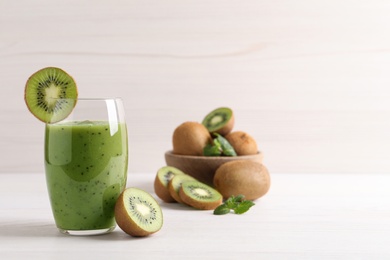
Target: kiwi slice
220 120
163 176
200 195
175 184
137 213
50 94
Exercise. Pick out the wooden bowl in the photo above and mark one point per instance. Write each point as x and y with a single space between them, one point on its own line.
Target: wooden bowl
203 167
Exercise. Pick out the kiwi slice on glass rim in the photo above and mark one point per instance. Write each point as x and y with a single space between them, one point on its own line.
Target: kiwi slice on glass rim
50 94
137 213
199 195
220 120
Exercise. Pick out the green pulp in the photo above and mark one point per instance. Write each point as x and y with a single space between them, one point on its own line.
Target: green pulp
86 170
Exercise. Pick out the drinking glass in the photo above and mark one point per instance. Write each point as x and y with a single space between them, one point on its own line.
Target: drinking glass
86 157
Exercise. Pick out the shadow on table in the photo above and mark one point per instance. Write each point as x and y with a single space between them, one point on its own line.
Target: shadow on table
21 229
44 229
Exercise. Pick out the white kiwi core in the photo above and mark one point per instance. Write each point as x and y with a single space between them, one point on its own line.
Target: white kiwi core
216 120
200 192
144 210
51 94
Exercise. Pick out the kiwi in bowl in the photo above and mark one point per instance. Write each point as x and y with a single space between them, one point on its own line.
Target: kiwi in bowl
190 138
220 120
198 149
203 168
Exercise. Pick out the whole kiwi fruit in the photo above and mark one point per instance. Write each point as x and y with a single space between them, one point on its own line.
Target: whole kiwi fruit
190 138
243 143
244 177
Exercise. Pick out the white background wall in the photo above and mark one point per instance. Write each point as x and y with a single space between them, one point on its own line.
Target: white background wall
308 79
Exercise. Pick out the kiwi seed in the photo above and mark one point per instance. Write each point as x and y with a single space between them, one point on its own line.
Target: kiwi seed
220 120
175 184
163 176
200 195
137 213
50 94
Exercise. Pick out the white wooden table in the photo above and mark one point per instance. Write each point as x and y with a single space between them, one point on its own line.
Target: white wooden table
304 216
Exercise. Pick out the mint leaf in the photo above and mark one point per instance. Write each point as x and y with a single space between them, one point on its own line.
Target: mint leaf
243 207
221 210
211 150
219 147
238 198
235 203
231 203
227 149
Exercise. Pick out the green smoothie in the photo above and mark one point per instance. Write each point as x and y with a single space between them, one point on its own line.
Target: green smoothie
86 169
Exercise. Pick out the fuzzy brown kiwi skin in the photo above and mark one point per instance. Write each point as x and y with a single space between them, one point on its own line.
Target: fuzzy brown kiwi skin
243 143
162 192
125 222
173 193
244 177
190 138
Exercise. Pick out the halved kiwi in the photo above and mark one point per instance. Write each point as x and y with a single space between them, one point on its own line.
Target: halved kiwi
163 176
175 184
199 195
220 120
137 213
50 94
